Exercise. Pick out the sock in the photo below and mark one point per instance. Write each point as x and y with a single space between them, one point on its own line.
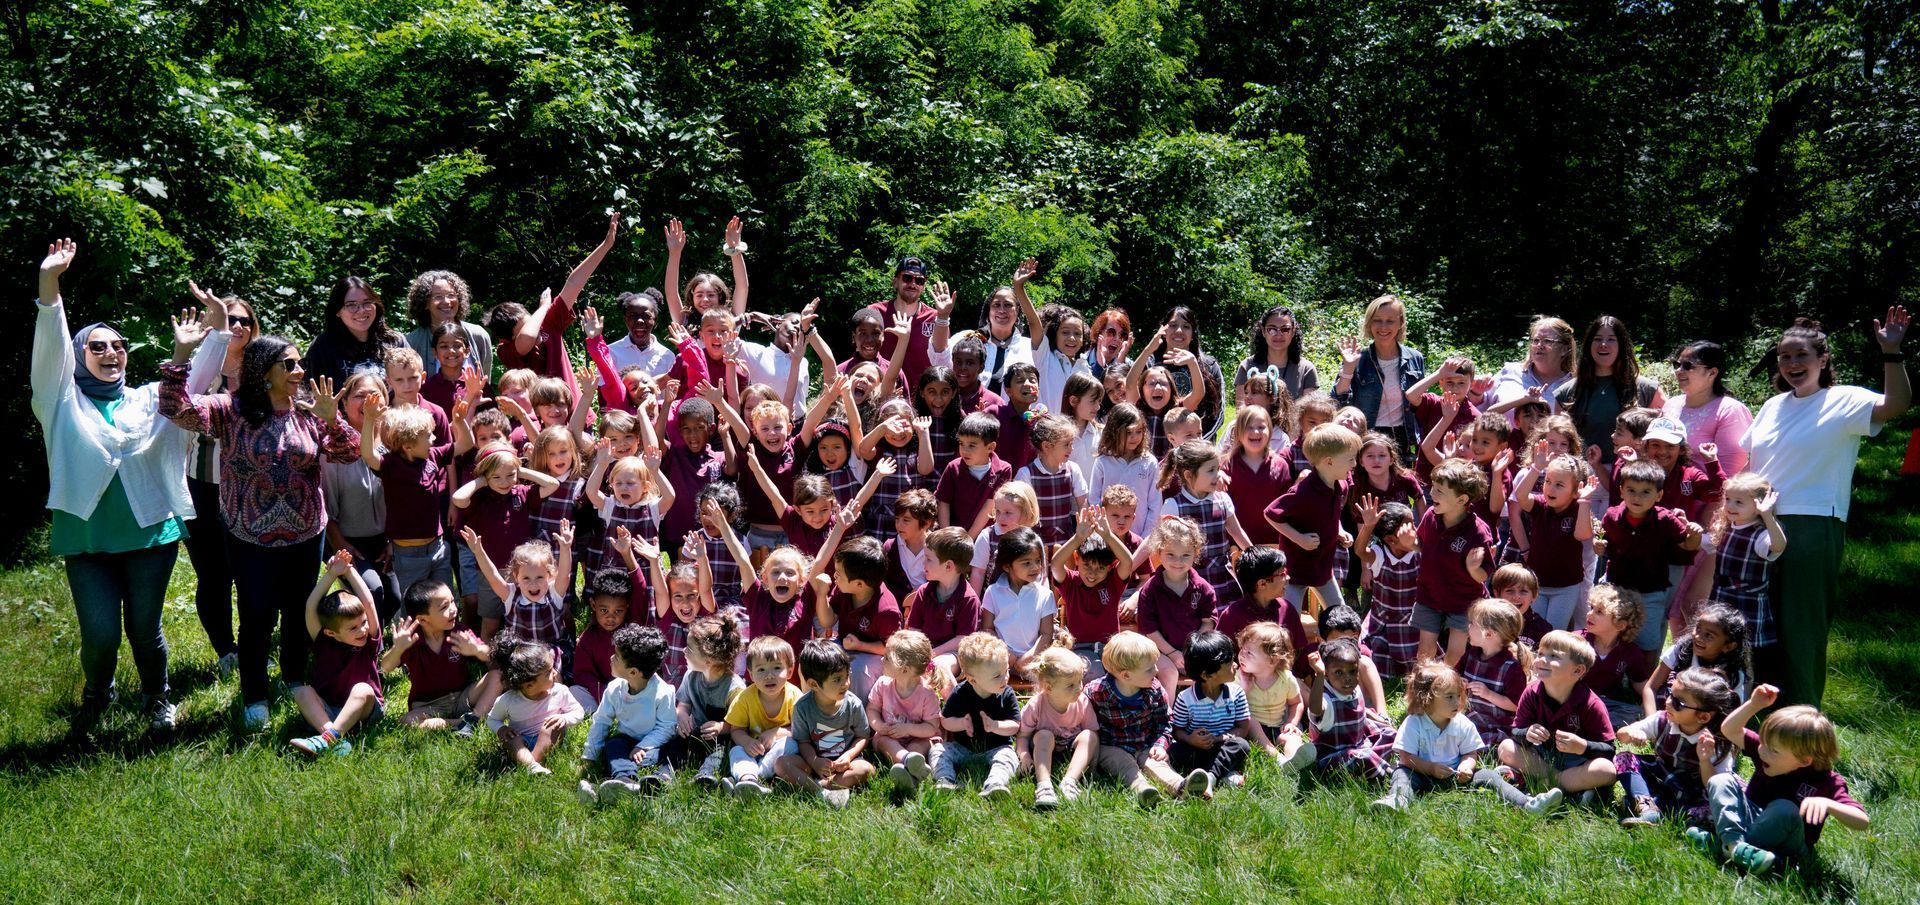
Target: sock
329 733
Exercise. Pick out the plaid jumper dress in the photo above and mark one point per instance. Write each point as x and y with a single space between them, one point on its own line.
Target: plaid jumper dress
726 574
878 514
639 520
1210 513
1055 493
1740 581
1389 630
1672 771
1495 672
1356 740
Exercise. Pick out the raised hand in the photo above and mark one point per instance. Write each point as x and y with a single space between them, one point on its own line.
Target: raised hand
1704 748
1588 489
1484 383
622 540
563 535
733 235
651 456
1089 519
1503 460
375 408
325 404
808 315
1368 509
1765 695
511 407
678 334
406 631
1025 271
885 467
676 236
1177 358
340 563
902 326
691 549
644 549
709 392
1893 330
1542 454
1709 451
1349 352
1626 453
461 407
923 424
1314 662
590 323
472 383
60 254
1766 503
942 299
466 642
470 537
188 329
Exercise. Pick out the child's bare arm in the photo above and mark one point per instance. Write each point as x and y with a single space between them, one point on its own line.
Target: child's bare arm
487 569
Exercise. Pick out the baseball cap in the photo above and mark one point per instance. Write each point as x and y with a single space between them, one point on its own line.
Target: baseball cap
1667 430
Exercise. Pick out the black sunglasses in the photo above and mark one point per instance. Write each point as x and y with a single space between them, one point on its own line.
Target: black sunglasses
913 279
100 346
290 363
237 321
1684 366
1678 704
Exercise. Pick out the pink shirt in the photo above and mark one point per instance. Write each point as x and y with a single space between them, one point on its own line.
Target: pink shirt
1040 715
1723 422
885 706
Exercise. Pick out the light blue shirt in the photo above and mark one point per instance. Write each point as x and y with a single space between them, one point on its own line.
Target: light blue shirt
1444 745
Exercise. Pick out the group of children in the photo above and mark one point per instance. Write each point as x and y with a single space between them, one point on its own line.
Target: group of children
818 593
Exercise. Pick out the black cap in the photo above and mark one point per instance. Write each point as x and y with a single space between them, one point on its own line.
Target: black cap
911 264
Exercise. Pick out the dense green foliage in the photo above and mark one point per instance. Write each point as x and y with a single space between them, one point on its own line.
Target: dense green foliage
1696 167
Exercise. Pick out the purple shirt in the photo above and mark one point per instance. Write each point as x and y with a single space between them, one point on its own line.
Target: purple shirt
1797 786
943 620
1637 554
337 668
414 489
1616 672
1552 551
503 520
1582 713
792 620
964 494
434 673
1253 487
1241 612
1176 616
873 623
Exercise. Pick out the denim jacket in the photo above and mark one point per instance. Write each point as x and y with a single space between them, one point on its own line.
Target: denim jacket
1363 392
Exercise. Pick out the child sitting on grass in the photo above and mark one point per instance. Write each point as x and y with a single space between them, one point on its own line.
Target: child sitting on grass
529 718
437 650
1211 721
1686 751
1131 707
1793 793
1273 694
830 729
344 680
1437 745
981 717
634 722
760 716
1057 728
700 705
1561 731
904 710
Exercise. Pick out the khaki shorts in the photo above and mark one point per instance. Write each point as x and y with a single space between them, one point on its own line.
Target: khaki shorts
452 705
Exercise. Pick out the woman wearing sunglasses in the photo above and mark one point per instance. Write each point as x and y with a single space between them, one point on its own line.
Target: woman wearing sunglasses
118 491
1711 416
206 531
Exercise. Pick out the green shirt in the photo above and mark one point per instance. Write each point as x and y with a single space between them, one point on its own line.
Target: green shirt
112 529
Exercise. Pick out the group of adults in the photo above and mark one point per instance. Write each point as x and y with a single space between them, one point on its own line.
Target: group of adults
226 451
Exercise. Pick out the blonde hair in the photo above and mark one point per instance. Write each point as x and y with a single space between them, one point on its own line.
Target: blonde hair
547 438
517 379
1330 440
1127 651
913 651
407 424
1386 301
1503 619
1242 419
1620 604
636 465
786 552
1569 645
1178 530
981 649
753 394
1431 679
771 408
770 649
1119 495
1022 495
531 555
1572 465
1270 639
1802 731
403 355
1746 482
617 421
493 457
1562 426
1057 663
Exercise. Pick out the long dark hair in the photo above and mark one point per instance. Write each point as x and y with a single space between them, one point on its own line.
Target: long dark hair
251 398
1012 546
377 335
1707 355
1626 368
1808 330
938 374
1211 407
1258 353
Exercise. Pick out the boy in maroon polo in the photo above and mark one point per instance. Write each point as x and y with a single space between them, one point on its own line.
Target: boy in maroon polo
945 609
1561 730
1642 538
1262 573
969 481
1455 548
1794 790
860 609
438 653
1089 597
1308 516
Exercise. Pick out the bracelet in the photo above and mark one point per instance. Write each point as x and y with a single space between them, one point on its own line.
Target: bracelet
732 250
1893 357
943 321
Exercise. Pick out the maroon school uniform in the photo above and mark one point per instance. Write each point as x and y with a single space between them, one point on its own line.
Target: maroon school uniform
942 620
982 400
593 659
1176 615
433 673
1445 583
1311 506
687 470
1229 618
548 358
1426 411
1533 627
897 580
1092 613
783 468
337 667
1553 553
966 495
873 623
503 520
1582 713
1614 673
1638 551
414 489
1796 786
792 620
802 535
1014 445
442 390
1252 487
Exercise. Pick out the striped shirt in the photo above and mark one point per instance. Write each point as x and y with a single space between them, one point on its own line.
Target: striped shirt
1218 715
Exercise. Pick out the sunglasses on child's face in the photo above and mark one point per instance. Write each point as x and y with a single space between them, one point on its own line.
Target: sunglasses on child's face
100 346
1680 705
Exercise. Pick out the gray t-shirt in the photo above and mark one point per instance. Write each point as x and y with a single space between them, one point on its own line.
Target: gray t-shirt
707 700
830 733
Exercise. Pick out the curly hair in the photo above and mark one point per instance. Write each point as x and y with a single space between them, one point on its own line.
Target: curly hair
419 294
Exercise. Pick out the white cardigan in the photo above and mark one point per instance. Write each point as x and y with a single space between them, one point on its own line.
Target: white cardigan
85 451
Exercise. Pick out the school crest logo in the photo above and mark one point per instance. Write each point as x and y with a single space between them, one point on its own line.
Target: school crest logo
1458 545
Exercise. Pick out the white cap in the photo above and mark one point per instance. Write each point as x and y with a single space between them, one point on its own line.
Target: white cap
1667 430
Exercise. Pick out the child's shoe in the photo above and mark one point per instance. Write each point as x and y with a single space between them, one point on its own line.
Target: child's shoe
652 784
1755 859
836 798
1236 780
225 666
538 769
342 748
587 794
1700 840
1302 758
749 789
996 792
255 717
162 716
615 790
1044 798
1387 803
918 766
705 780
1148 796
947 786
1646 812
313 745
903 782
1199 783
1543 804
468 723
1069 790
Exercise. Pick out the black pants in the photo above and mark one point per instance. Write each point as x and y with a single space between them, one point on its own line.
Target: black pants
213 579
274 583
1222 760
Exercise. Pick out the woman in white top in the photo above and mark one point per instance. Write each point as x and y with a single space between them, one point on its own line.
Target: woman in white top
1547 367
117 476
1805 442
1004 346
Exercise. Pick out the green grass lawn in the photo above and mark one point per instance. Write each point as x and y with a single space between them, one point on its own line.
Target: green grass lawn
209 816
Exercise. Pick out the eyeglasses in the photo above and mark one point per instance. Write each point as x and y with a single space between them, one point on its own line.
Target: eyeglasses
359 306
290 363
100 346
1549 341
1280 328
912 279
236 321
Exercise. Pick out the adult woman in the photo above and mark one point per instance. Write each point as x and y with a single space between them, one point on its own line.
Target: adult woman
439 297
356 500
1606 382
1547 367
356 333
1375 378
1182 334
206 531
271 443
1711 416
1805 442
999 315
118 492
1112 338
1276 346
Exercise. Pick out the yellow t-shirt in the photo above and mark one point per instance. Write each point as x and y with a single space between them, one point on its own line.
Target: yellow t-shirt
744 710
1269 705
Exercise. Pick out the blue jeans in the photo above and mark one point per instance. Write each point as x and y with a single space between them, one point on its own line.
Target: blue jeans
274 583
1653 635
112 588
411 564
1778 827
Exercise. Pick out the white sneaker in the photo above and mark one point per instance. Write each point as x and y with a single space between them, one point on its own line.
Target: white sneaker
538 769
1148 796
836 798
587 794
613 791
918 766
1387 803
749 789
1200 783
996 793
255 719
162 716
1044 797
1543 804
901 777
1302 758
1069 790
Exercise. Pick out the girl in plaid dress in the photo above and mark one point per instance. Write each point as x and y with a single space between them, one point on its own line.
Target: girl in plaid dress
1495 668
1745 543
556 455
535 610
902 438
1347 734
1382 475
1672 779
1390 563
1058 484
718 503
1190 481
639 494
934 399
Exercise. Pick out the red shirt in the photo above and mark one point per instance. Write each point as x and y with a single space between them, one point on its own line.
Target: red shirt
1310 507
1241 612
1582 713
919 338
1014 444
688 470
1252 488
549 355
1614 674
1638 553
943 620
1092 613
982 400
1797 786
964 494
782 467
503 520
337 668
414 489
792 620
874 623
1176 616
434 673
1426 411
808 538
1552 551
593 659
1445 584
